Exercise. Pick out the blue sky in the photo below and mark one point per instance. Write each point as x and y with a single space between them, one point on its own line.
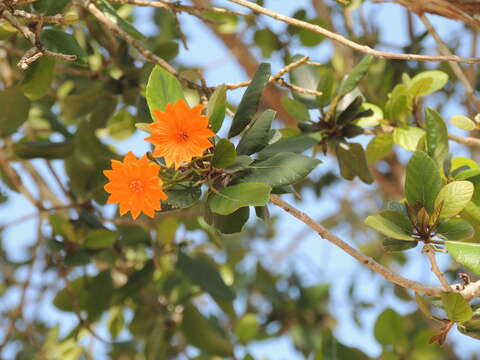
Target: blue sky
315 259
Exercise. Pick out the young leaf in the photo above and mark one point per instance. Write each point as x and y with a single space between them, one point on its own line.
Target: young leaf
250 100
257 136
355 76
295 108
247 327
437 135
427 82
216 108
467 254
231 198
162 88
392 224
371 120
423 181
224 154
455 229
379 147
454 196
281 169
408 137
457 308
463 122
203 273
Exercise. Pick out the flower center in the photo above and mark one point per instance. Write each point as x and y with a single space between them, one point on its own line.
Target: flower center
136 186
182 136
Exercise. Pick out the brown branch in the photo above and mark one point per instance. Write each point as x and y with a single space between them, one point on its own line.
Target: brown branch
465 140
468 291
355 46
429 250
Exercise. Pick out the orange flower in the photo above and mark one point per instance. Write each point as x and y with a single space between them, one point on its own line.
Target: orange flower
135 185
180 133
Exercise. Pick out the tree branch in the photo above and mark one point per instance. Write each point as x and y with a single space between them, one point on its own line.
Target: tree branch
429 250
355 46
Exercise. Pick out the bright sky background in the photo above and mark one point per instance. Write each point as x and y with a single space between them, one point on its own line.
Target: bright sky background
315 259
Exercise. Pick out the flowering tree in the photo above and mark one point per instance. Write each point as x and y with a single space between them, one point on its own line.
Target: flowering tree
173 274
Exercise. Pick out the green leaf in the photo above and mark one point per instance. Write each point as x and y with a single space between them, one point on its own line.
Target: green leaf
463 122
457 307
99 238
111 14
50 7
392 224
78 105
281 169
326 85
202 335
423 181
61 42
372 120
121 125
216 108
437 135
43 149
183 195
454 196
136 281
15 107
393 245
389 327
229 224
38 78
296 109
408 137
427 82
294 144
224 154
257 136
379 147
467 254
231 198
247 328
162 88
399 105
242 163
251 98
455 229
358 72
203 273
306 77
267 41
353 162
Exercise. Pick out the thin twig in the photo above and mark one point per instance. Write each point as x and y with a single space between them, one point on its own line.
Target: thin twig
468 291
429 250
337 37
465 140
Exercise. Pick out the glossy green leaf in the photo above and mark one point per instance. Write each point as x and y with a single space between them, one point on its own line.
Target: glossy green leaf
408 137
353 162
457 308
294 144
203 273
202 335
467 254
183 195
38 78
392 224
251 98
422 181
455 229
296 109
326 85
280 169
257 136
379 147
15 107
162 88
62 42
224 154
463 122
454 196
233 197
372 120
427 82
358 72
217 107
